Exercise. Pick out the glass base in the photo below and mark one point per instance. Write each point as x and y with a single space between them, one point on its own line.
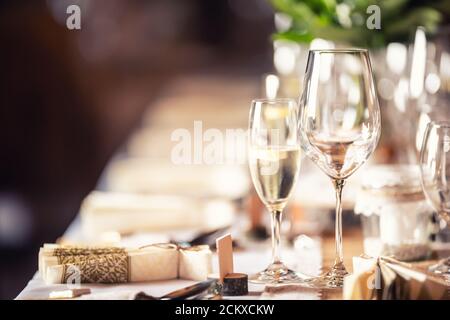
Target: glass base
276 273
332 279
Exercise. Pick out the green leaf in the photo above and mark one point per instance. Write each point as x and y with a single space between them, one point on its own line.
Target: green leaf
399 18
426 17
294 36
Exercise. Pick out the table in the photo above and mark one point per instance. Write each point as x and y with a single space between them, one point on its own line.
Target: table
247 261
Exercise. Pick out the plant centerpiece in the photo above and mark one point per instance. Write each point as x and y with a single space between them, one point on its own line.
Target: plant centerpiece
386 28
361 23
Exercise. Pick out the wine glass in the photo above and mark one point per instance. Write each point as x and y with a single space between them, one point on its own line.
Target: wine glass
274 160
435 175
339 127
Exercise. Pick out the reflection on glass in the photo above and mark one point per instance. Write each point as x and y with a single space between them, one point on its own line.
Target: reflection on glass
435 167
435 175
274 159
339 126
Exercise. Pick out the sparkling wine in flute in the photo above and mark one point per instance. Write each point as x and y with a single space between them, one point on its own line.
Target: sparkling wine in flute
274 172
274 162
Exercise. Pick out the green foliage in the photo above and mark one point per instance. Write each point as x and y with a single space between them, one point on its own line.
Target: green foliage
344 21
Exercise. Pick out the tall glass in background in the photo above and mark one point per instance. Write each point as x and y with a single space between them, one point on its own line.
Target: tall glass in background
274 159
339 127
429 84
435 175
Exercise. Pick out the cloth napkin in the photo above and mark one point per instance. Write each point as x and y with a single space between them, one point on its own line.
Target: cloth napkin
72 264
385 278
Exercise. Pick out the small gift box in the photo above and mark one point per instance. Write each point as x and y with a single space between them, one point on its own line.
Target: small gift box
194 262
69 264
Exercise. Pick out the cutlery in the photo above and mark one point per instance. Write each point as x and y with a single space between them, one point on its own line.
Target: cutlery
184 293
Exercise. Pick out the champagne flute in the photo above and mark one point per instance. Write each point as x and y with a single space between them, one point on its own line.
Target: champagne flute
435 175
339 127
274 160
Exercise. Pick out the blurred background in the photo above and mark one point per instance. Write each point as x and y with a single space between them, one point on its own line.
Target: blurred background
70 98
94 109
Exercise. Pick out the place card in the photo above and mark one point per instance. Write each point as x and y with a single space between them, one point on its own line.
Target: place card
224 246
230 283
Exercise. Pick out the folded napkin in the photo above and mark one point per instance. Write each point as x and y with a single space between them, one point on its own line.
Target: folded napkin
388 279
71 264
130 213
362 283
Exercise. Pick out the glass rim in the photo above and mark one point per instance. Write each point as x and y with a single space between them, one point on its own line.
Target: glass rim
340 50
273 100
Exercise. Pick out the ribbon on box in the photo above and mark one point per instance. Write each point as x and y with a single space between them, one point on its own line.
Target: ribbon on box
105 268
163 261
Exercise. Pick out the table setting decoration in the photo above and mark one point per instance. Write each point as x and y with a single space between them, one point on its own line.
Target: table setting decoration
196 290
408 43
226 283
274 160
386 278
344 22
395 215
337 126
66 264
229 282
340 126
434 163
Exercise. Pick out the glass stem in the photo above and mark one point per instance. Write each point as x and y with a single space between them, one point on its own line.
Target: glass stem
338 186
276 226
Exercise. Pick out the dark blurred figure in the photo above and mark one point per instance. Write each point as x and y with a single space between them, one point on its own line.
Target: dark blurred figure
69 98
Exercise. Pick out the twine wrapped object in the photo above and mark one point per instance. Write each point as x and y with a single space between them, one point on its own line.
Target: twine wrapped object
69 264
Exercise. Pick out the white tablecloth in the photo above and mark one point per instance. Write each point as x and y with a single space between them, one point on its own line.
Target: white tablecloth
307 261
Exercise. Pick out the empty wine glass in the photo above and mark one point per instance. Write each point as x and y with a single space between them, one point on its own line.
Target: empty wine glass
339 127
435 175
274 159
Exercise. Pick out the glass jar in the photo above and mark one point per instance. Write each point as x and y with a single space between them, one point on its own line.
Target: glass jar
396 219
